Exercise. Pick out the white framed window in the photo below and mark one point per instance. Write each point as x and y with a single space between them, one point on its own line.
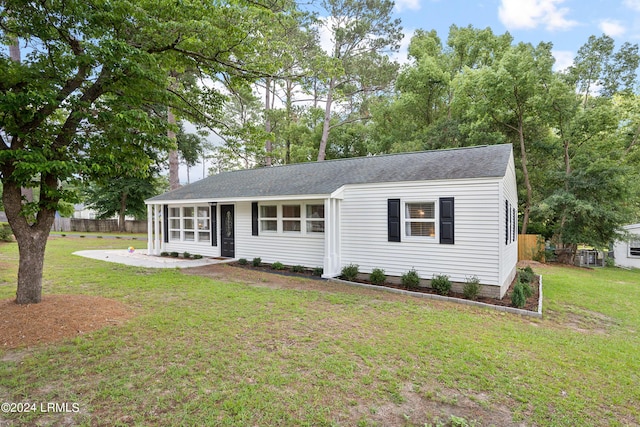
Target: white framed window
634 248
269 218
291 218
189 224
315 218
420 219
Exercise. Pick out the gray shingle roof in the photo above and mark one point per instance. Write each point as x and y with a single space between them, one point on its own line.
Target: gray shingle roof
328 176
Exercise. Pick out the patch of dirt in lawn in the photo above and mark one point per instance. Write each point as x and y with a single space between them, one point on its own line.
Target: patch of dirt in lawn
437 405
585 321
55 318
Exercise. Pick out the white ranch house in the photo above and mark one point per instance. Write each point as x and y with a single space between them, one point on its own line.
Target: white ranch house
627 253
450 212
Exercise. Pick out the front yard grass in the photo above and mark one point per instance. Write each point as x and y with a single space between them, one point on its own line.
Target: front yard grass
206 352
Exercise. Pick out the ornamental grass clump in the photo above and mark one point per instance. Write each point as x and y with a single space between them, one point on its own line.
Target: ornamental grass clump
377 276
441 284
350 272
410 279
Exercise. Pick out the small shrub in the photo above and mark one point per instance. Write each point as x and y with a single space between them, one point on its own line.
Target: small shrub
318 271
174 254
518 297
526 275
243 261
63 235
82 236
197 256
186 255
118 237
410 279
350 272
5 233
471 288
609 262
99 237
377 276
256 262
277 266
164 253
441 284
297 269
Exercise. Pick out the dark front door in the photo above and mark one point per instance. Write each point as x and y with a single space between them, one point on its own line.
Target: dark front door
227 231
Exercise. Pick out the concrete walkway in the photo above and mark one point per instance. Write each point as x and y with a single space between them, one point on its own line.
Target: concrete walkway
139 258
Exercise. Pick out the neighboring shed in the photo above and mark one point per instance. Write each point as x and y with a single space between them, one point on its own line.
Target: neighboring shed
450 212
627 253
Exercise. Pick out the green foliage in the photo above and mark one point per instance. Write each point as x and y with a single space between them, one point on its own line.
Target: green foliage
317 271
256 262
197 256
243 261
5 232
350 272
471 288
164 253
519 295
526 275
277 266
377 276
410 279
297 269
441 284
186 255
174 254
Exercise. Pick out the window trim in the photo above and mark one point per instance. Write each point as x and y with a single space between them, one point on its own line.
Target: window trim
303 219
634 244
404 220
182 219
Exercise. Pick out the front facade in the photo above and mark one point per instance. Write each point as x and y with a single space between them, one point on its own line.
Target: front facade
450 212
627 253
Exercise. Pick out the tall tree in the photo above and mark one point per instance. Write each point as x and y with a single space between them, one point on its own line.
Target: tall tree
83 52
510 95
360 32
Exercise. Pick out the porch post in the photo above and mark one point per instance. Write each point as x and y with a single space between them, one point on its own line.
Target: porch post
156 223
149 230
331 238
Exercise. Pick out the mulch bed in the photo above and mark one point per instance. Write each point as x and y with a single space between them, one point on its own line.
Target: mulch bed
530 305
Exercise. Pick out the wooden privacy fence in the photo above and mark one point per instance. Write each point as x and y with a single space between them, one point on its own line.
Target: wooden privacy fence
98 225
530 247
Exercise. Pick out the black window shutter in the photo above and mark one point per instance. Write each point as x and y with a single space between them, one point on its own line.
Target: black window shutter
507 211
165 222
446 221
393 220
214 224
515 223
254 218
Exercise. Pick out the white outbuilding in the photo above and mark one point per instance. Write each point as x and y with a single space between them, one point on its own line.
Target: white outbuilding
627 253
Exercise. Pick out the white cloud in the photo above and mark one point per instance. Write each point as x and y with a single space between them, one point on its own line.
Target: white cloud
564 59
530 14
632 4
402 5
612 28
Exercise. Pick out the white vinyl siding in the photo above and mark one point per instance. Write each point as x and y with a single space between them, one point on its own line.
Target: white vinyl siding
509 245
290 248
624 251
477 237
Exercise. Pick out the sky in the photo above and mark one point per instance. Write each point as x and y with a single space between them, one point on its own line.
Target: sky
565 23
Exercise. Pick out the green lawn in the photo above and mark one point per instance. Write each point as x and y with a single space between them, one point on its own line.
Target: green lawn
203 352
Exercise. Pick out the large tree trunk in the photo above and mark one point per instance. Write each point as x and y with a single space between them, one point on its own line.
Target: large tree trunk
267 122
322 151
527 181
174 161
122 213
32 242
